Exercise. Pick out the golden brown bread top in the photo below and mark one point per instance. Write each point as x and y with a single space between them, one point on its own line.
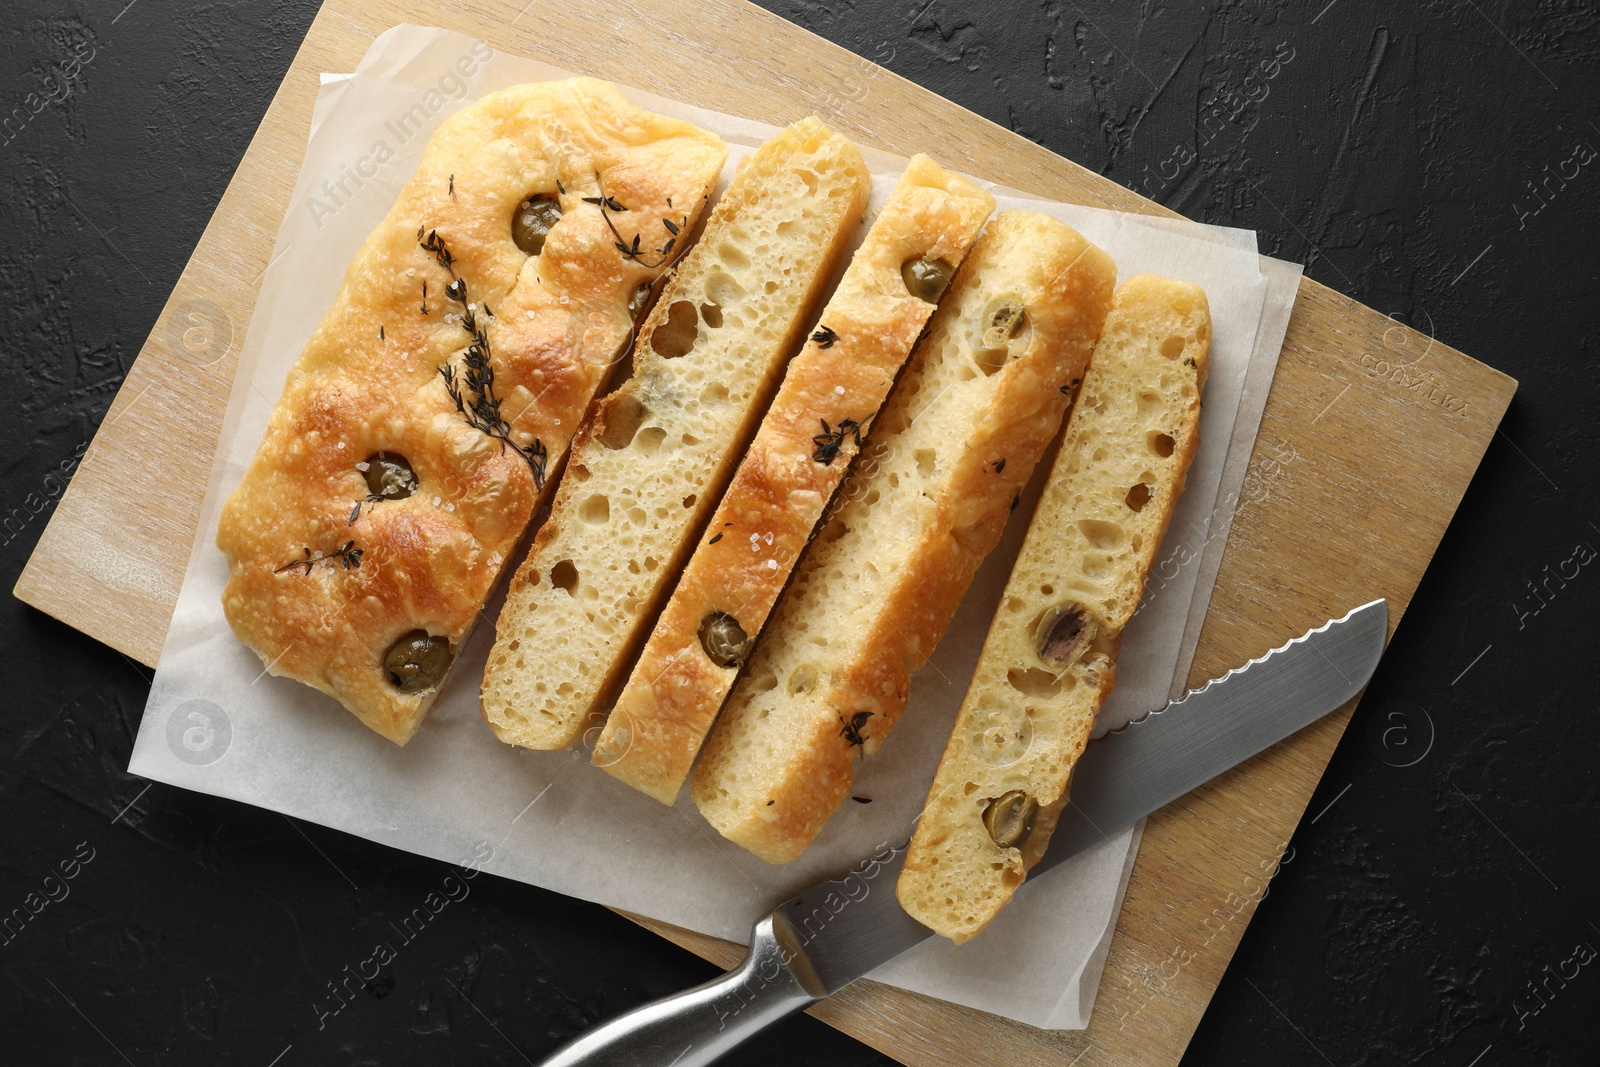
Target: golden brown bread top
365 573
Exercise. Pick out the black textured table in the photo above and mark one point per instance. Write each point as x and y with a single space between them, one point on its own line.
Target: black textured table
1440 164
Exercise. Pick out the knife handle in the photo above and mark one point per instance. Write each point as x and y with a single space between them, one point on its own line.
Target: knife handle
693 1028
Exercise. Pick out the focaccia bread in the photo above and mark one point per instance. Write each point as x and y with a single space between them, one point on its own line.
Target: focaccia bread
652 458
980 399
410 446
830 394
1049 660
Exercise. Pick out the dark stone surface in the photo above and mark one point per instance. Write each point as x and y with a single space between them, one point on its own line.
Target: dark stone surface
1417 158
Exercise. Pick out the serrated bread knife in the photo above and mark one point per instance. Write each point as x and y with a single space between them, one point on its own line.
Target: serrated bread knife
815 944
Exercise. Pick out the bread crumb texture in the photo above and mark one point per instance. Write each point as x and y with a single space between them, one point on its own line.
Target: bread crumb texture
1049 660
980 399
654 456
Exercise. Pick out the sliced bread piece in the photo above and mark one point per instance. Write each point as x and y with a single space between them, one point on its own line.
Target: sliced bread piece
386 499
1049 660
980 399
830 392
652 457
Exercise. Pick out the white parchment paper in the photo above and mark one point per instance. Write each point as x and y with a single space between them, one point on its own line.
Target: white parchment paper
216 723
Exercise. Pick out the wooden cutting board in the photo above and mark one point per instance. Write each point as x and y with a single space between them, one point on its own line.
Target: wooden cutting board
1370 436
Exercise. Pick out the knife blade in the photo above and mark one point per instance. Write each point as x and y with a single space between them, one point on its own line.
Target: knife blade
824 938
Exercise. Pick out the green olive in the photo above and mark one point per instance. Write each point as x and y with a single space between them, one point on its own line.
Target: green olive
389 476
1063 635
417 661
724 639
1009 819
1003 320
926 278
532 222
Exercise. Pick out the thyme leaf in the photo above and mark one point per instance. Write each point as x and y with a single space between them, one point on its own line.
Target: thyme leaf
850 729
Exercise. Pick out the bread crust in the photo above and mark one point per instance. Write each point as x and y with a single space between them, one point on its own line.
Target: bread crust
369 381
1030 706
833 388
961 433
654 457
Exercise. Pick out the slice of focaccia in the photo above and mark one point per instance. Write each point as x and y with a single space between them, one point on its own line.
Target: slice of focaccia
410 446
982 396
1049 660
830 394
653 456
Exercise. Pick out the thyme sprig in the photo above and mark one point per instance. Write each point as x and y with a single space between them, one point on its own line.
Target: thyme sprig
831 441
473 390
630 249
349 556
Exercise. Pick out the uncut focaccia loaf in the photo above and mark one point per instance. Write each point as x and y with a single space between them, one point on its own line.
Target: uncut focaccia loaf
379 510
652 457
1049 660
982 396
830 393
